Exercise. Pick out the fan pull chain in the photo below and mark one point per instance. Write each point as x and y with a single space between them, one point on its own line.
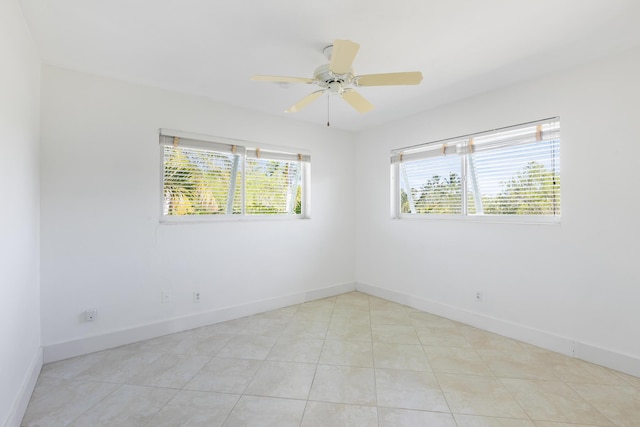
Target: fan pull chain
328 94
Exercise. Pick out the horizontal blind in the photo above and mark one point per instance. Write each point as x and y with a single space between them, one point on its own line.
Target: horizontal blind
257 153
431 186
273 186
174 141
518 180
199 182
509 171
541 130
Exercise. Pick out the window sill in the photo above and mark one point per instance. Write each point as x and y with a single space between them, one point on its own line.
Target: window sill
209 219
492 219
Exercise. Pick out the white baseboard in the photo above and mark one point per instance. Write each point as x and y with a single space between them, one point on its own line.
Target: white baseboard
26 390
67 349
557 343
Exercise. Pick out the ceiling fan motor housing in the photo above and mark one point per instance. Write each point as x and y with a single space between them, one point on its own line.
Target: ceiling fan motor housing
331 81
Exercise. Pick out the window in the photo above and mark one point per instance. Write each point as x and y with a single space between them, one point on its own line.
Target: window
204 177
510 172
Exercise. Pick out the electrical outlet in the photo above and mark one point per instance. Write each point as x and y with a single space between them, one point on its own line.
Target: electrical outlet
165 297
90 314
196 296
478 296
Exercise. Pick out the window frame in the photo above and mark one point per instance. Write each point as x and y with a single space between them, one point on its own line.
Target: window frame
451 146
271 152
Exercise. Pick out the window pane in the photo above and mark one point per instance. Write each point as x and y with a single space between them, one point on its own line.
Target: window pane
431 186
517 180
199 182
273 187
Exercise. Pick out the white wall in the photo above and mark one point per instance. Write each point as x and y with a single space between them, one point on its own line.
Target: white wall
571 287
103 246
574 287
20 356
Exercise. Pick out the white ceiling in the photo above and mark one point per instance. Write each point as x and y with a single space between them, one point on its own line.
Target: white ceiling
211 48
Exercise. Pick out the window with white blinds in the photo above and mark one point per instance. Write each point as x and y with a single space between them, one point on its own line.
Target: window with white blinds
214 177
509 172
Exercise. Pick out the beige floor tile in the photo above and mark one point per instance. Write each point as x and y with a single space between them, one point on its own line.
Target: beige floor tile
347 353
285 313
46 385
554 424
553 401
480 339
473 395
282 315
634 381
479 421
236 326
409 390
170 370
442 336
195 408
322 414
161 344
390 417
201 344
282 379
354 297
296 350
620 404
408 357
454 360
573 370
349 316
61 405
421 320
322 354
396 334
262 325
382 304
127 406
254 411
225 375
71 368
357 303
389 317
344 384
313 314
517 365
306 329
248 347
349 332
118 366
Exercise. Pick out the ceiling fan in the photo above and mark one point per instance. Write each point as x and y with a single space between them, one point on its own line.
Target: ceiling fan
337 77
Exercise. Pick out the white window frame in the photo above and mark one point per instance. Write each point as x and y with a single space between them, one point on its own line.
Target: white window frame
461 146
244 149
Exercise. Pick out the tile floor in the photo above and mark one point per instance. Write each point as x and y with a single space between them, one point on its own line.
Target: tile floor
350 360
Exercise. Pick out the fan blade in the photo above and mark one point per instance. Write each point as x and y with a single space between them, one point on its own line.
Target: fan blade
390 79
357 101
342 56
305 101
281 79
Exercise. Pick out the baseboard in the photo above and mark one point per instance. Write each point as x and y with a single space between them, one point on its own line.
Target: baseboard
557 343
26 390
67 349
601 356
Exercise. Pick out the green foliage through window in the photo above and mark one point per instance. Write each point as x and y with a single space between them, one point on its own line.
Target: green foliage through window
510 172
203 182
